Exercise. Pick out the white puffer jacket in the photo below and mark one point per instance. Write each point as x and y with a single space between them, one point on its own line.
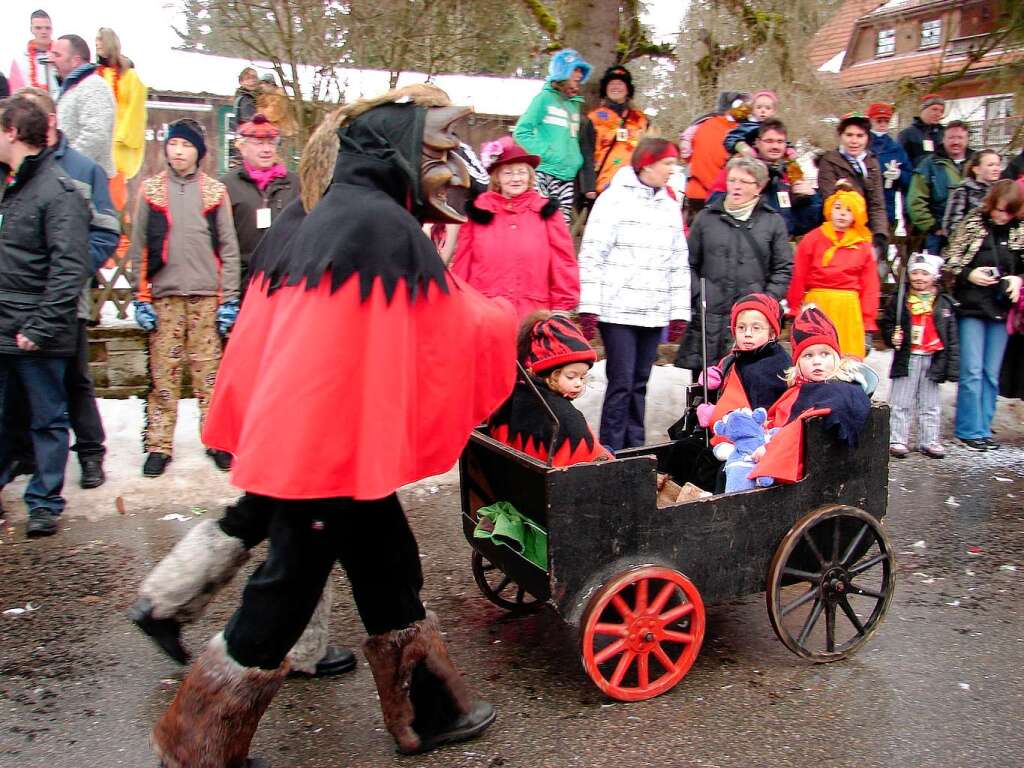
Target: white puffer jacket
634 266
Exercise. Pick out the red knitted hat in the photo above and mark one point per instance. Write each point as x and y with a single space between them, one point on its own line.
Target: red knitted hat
760 302
259 128
648 155
554 342
811 327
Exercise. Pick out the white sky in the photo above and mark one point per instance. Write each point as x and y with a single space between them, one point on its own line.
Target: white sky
144 27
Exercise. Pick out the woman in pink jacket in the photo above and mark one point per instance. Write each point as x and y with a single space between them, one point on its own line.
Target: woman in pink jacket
514 245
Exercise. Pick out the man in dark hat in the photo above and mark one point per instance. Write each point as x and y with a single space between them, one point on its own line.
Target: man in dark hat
924 135
611 132
185 264
359 365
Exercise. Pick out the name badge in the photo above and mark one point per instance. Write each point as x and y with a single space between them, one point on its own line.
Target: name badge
262 218
916 335
622 134
784 199
929 145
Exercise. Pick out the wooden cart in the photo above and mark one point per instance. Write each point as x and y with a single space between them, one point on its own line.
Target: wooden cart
635 578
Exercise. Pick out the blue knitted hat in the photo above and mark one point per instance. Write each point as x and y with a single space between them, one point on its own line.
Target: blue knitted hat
564 62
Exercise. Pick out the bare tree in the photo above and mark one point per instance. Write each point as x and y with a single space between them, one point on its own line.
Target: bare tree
285 33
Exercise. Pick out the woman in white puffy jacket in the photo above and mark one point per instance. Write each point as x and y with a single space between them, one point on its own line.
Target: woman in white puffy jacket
635 279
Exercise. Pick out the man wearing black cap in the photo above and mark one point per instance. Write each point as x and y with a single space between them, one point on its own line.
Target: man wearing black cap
185 264
611 132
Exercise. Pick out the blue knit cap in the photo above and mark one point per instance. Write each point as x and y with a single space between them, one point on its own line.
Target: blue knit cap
564 63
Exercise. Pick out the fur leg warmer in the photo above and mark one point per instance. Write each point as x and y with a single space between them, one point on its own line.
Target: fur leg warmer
312 646
214 715
423 697
185 581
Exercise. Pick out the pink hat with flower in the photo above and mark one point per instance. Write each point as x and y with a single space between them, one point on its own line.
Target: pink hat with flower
494 154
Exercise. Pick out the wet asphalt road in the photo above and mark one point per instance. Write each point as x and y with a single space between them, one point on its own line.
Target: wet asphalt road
939 685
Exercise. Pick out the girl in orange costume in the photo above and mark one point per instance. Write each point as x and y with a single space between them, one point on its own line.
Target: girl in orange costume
834 268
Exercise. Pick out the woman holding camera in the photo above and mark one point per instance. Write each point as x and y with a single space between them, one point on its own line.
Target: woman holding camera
985 262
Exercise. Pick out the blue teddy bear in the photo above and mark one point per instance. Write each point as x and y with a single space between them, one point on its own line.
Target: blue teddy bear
746 434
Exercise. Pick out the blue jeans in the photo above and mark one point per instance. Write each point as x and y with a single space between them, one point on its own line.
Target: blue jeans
42 379
982 343
935 243
631 351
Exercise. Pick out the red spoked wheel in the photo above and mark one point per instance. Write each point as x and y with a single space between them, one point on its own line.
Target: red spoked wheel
642 632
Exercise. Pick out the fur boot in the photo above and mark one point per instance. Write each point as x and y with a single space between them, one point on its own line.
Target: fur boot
424 699
185 581
312 645
214 715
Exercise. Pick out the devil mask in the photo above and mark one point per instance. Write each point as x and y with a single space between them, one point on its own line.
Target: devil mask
417 143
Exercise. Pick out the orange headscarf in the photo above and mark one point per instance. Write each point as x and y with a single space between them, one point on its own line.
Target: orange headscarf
858 232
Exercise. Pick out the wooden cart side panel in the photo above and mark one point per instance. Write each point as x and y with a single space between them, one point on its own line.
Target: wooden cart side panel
724 543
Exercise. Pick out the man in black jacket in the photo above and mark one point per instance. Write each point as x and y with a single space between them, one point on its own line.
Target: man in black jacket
44 263
924 135
260 188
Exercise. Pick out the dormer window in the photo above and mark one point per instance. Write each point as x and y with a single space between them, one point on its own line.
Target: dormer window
886 44
931 33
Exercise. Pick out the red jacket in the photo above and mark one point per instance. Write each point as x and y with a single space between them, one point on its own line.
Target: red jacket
520 249
709 155
850 269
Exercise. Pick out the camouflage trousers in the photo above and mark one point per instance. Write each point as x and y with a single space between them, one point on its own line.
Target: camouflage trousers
186 326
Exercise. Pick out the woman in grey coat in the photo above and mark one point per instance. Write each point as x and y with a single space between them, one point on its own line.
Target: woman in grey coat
738 245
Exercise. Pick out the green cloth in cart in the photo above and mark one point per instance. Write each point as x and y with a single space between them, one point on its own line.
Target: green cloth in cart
505 526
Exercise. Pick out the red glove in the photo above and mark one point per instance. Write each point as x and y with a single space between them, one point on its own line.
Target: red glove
676 329
588 325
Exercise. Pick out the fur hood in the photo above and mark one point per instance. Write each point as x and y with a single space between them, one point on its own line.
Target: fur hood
481 209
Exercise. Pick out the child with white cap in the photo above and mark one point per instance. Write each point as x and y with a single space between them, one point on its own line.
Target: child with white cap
921 328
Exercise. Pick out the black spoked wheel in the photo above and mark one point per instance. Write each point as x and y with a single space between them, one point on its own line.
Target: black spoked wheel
500 588
830 583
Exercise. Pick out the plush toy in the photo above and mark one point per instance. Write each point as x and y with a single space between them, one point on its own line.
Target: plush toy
746 434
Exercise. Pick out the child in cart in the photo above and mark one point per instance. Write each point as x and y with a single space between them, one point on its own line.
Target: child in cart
821 383
922 330
557 359
751 376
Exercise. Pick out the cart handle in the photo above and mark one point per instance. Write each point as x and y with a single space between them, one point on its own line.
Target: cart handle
554 419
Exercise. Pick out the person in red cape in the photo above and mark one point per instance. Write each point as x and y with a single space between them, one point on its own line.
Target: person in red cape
357 364
821 383
557 358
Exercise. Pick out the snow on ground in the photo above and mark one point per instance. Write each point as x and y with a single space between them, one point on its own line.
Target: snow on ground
191 478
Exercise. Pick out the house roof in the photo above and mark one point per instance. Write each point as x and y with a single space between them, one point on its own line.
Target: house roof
917 64
834 35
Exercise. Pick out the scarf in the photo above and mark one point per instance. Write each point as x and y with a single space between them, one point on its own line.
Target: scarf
858 231
113 80
33 67
920 304
264 177
742 212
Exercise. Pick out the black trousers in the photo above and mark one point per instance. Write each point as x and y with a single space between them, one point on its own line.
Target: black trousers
82 409
372 541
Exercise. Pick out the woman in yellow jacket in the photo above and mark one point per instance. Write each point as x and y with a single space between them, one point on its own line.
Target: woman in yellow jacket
130 122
